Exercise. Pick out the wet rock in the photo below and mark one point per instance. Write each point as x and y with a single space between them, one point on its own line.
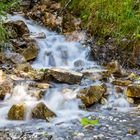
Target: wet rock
94 75
31 51
92 94
17 112
103 101
52 21
12 58
133 90
130 100
118 89
121 82
43 85
16 28
115 69
138 106
37 93
40 85
41 35
79 63
4 90
132 131
36 75
5 85
64 76
26 67
26 47
41 111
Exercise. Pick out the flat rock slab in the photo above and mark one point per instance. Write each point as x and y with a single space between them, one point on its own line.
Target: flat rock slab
64 76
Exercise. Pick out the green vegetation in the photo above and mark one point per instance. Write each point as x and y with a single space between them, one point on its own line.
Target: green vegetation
4 6
105 18
86 121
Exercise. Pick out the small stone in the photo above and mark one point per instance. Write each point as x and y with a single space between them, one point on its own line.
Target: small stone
132 131
43 85
130 100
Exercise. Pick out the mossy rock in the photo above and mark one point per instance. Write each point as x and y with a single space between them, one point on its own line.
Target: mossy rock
133 90
17 112
41 111
91 95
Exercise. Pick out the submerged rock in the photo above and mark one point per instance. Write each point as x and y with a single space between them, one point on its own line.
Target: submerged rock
17 112
64 76
92 94
133 90
41 111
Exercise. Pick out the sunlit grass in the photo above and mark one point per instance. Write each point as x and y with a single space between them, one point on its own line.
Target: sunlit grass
116 18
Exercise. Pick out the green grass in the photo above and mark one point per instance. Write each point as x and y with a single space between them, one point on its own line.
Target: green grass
115 18
4 6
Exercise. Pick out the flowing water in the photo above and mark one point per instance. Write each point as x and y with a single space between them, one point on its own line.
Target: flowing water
56 51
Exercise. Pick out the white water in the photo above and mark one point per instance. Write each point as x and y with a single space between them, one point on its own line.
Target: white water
55 51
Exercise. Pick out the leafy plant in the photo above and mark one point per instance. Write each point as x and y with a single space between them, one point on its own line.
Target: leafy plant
43 70
86 121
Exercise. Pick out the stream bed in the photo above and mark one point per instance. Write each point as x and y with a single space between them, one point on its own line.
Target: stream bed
56 52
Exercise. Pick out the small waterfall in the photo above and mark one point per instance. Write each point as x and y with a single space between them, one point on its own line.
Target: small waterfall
55 51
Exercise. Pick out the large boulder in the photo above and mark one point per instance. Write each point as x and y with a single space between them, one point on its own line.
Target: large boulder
133 90
41 111
16 29
91 95
26 47
64 76
17 112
